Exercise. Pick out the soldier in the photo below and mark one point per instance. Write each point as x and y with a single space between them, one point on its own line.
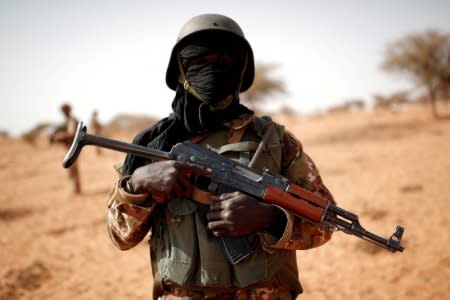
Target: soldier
210 65
64 135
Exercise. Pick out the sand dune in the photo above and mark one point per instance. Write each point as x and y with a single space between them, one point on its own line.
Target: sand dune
388 167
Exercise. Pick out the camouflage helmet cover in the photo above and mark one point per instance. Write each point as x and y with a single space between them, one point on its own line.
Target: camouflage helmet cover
208 23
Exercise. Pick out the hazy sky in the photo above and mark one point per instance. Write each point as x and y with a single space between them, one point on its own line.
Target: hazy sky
112 55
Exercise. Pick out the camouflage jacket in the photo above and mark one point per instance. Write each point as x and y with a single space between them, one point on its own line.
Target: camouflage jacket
130 215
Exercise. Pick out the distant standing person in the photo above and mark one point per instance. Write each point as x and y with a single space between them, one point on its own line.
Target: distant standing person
96 128
65 135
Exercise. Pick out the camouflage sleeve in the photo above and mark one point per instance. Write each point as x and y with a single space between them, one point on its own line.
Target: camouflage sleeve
128 216
300 169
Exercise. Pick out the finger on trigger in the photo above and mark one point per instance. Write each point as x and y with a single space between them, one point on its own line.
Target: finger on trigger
192 168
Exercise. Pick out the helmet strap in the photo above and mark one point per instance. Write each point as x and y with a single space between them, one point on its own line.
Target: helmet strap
188 87
182 79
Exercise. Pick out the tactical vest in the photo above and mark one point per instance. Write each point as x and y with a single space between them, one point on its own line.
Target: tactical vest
185 252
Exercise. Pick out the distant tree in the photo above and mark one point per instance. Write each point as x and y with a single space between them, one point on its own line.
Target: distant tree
348 106
38 130
129 123
357 104
4 133
394 100
287 110
425 58
263 86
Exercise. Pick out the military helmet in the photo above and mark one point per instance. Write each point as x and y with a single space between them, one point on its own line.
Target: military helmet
209 23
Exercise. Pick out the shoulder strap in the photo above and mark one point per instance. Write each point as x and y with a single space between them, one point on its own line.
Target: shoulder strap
239 147
271 135
262 144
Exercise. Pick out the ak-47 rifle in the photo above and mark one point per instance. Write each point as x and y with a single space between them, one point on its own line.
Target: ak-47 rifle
232 175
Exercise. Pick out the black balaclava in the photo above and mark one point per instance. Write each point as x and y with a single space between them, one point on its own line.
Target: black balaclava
212 82
210 89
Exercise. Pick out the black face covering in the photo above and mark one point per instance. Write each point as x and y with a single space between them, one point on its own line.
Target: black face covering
214 83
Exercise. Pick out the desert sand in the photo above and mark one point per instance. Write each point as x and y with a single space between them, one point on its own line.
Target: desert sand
390 168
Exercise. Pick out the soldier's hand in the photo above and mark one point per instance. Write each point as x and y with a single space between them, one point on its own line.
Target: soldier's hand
165 179
237 214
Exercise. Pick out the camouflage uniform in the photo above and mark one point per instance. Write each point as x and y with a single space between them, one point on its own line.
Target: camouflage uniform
132 216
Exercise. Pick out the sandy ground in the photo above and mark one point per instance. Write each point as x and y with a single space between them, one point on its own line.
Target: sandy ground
389 168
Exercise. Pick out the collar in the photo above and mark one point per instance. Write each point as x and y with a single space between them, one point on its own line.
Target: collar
235 127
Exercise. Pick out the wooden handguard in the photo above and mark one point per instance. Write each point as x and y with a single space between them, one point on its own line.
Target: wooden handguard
295 203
